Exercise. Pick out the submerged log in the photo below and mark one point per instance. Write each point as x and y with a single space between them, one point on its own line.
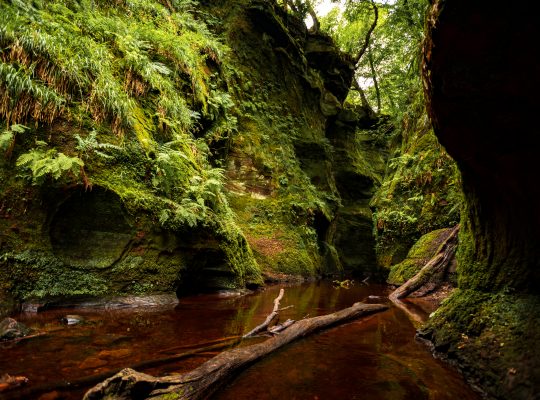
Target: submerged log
435 268
204 380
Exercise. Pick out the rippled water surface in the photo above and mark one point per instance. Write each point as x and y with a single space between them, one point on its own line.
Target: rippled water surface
372 358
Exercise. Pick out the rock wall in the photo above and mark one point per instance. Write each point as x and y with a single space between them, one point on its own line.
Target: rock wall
481 79
294 163
264 178
421 189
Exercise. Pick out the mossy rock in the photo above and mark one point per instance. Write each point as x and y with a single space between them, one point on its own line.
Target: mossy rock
493 337
421 190
419 254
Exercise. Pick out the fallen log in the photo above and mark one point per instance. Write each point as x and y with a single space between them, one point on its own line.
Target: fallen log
200 344
206 379
86 381
435 268
198 349
273 315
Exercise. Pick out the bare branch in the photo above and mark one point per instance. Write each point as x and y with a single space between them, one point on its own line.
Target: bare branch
269 318
368 34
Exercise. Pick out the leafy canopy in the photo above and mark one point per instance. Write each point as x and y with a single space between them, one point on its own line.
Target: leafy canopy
392 57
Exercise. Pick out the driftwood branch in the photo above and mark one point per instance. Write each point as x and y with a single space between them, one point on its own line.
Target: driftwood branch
204 380
281 327
273 315
434 268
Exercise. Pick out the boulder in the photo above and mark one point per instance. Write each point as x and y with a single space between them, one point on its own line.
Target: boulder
11 329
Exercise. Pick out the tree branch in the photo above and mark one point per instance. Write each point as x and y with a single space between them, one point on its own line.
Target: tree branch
435 267
203 381
269 318
374 76
368 34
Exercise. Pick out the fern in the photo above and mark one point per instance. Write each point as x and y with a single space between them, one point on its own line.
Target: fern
7 138
205 190
40 163
93 58
89 146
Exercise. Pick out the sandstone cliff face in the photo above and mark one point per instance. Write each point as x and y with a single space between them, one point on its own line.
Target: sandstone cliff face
481 78
264 178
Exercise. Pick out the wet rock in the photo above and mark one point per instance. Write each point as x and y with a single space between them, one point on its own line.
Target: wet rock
73 319
233 292
9 382
329 104
31 308
11 329
107 303
142 301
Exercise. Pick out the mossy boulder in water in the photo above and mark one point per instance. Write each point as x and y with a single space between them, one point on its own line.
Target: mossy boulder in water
422 251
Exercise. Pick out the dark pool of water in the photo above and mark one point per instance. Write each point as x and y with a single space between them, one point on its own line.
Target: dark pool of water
372 358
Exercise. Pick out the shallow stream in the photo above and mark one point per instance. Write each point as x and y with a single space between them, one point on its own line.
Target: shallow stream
372 358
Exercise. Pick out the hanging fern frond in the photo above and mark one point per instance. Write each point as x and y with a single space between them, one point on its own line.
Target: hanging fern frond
41 163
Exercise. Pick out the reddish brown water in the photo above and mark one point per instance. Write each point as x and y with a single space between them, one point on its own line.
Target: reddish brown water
373 358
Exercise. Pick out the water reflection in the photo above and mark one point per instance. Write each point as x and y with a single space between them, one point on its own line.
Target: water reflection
373 358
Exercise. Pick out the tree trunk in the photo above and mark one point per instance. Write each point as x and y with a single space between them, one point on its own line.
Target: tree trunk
204 380
363 98
435 267
374 76
316 24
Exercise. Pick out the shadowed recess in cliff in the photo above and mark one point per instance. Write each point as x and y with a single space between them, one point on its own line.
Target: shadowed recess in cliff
90 229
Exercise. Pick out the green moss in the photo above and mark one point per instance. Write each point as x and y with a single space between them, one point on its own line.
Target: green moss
163 102
421 191
278 245
142 128
34 275
171 396
419 254
494 338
